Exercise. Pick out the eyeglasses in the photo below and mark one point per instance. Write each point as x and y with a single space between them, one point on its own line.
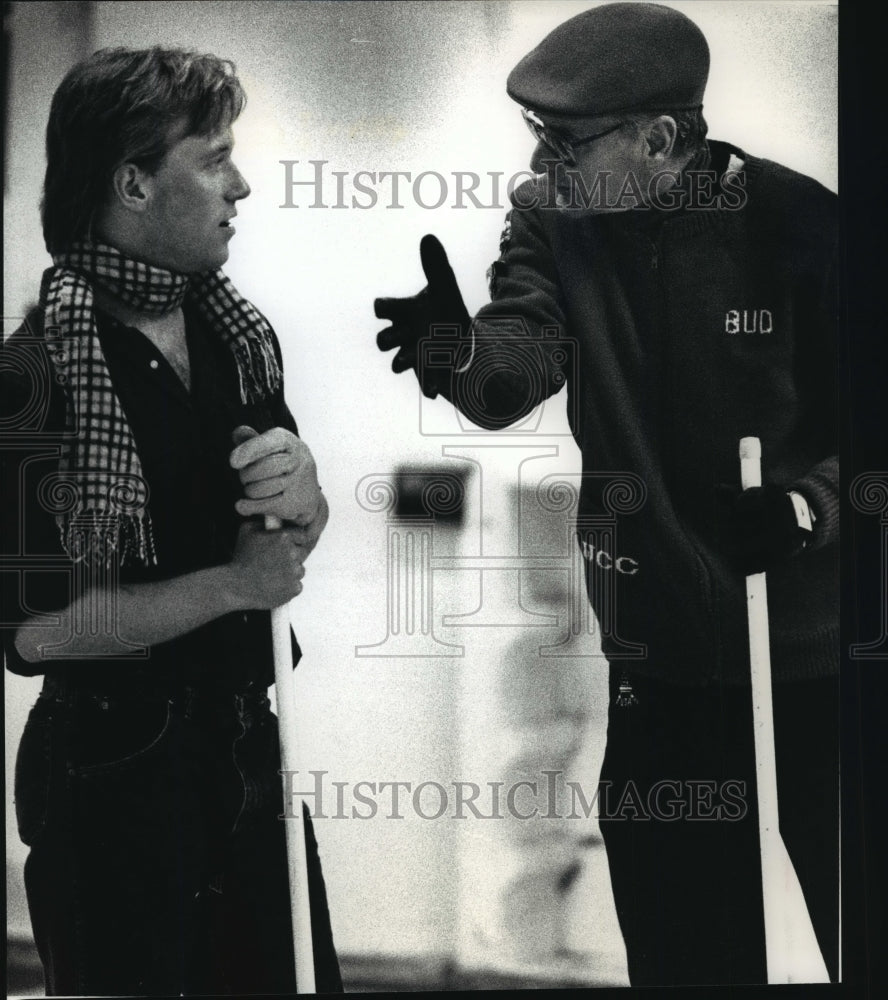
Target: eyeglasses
560 144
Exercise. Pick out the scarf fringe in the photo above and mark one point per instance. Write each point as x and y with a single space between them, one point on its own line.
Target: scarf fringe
95 537
245 330
258 370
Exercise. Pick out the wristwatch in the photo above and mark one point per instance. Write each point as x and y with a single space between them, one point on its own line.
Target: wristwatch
804 515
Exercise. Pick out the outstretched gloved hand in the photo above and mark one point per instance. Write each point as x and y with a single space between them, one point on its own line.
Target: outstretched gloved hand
439 304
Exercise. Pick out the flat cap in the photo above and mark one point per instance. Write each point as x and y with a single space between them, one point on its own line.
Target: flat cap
613 58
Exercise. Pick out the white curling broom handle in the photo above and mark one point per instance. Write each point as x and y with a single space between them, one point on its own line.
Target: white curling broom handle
793 955
288 728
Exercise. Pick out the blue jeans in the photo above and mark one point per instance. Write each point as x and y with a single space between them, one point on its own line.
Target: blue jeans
158 858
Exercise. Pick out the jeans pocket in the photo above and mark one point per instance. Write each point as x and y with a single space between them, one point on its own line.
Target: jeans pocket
32 776
136 794
122 738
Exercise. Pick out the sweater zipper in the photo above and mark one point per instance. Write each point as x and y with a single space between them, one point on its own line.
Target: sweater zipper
626 697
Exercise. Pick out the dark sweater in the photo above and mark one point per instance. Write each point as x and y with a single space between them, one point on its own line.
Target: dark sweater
677 333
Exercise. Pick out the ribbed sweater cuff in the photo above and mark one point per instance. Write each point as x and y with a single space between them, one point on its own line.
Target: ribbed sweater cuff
805 657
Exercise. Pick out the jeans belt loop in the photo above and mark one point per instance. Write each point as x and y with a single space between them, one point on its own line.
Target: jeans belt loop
54 687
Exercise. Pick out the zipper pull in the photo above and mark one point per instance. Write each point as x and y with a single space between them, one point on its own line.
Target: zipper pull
626 697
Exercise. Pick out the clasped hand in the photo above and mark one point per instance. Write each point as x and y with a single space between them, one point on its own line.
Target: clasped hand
279 478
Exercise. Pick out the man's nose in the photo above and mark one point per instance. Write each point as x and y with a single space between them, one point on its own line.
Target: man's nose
239 187
542 159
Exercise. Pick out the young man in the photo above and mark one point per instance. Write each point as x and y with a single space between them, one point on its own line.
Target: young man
685 293
146 438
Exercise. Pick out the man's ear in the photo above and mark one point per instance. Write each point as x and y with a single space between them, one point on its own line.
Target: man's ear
660 136
131 187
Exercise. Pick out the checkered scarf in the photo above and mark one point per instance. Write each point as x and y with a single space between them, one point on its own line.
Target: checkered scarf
107 515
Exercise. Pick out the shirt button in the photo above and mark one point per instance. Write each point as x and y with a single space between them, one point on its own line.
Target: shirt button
154 363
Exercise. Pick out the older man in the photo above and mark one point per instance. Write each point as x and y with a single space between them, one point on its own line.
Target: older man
684 292
136 485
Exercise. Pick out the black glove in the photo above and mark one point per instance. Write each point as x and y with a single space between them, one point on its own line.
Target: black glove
440 303
759 526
